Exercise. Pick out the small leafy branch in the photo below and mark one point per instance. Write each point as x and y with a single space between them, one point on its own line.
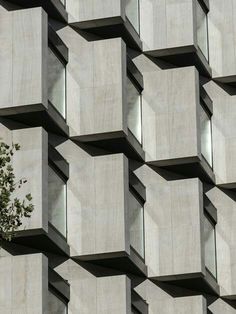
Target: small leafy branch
12 209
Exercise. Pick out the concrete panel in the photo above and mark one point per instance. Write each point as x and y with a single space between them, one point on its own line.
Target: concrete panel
223 133
6 54
96 78
173 209
114 295
29 57
97 201
166 24
91 294
167 300
24 61
221 306
31 162
111 203
222 39
87 10
224 201
170 103
24 284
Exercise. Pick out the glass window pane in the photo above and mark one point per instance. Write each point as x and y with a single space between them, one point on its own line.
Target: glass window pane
202 30
210 248
55 305
134 110
132 13
56 82
206 137
136 225
56 201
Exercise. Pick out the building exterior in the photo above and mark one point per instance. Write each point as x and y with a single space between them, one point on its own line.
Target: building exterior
125 113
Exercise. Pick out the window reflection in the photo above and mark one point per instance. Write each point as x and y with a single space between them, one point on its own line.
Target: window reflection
202 30
136 225
134 110
132 13
206 135
56 82
210 245
57 201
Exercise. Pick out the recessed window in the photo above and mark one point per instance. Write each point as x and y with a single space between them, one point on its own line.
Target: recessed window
55 304
136 224
134 119
206 135
57 201
56 82
202 30
132 13
210 245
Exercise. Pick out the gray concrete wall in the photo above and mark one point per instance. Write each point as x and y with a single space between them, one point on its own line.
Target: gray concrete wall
84 10
170 103
91 294
163 300
173 225
224 201
221 306
23 59
96 78
97 199
222 31
24 284
166 24
30 162
223 134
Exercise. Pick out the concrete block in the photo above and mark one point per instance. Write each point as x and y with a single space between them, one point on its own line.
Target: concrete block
224 201
222 30
25 68
173 226
24 282
91 294
167 299
97 200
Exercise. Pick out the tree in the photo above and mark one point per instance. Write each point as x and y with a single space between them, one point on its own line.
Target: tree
12 209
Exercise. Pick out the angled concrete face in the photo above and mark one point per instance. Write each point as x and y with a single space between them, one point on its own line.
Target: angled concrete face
169 30
170 103
54 9
96 77
91 294
222 39
102 12
97 198
107 18
223 134
165 300
166 25
30 162
224 201
114 295
221 306
23 61
173 226
24 282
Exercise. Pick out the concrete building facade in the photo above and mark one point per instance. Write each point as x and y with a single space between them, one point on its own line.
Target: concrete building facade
125 113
